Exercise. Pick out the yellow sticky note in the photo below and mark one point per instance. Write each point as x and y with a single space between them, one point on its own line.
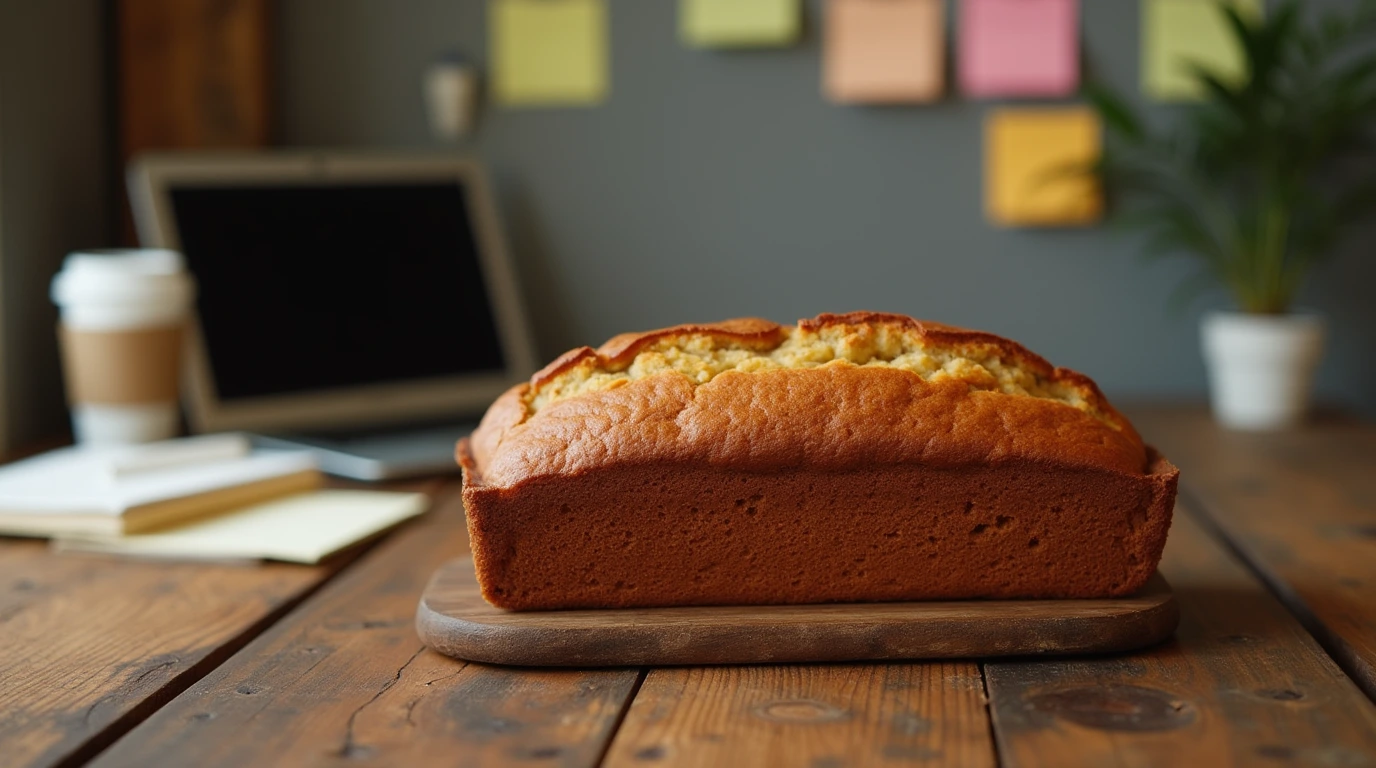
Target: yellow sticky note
1178 32
549 52
731 23
884 51
1030 157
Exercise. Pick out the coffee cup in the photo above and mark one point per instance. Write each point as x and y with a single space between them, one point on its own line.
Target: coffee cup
123 320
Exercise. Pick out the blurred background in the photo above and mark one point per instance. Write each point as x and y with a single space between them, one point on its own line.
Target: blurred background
707 184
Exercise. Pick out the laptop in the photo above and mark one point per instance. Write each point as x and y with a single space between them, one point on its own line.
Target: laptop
362 306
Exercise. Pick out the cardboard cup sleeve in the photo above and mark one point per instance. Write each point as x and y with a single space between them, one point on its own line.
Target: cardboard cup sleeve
122 367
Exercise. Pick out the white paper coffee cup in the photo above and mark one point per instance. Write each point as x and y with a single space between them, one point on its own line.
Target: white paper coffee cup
123 321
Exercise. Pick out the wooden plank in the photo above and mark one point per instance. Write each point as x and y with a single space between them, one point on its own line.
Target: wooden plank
440 710
1241 683
344 677
454 619
193 74
815 715
1300 507
90 645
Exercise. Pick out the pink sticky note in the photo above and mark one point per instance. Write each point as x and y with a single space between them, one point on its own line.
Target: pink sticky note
1019 47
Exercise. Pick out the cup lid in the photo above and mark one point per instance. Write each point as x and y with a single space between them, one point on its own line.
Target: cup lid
123 276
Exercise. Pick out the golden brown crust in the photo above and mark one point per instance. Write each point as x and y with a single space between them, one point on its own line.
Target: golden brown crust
750 331
931 350
936 332
506 412
824 417
773 429
561 364
815 419
951 335
622 348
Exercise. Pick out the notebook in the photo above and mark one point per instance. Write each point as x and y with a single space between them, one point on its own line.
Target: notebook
126 490
303 528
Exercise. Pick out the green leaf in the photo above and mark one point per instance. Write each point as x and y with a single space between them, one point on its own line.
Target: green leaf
1265 43
1175 229
1221 92
1114 111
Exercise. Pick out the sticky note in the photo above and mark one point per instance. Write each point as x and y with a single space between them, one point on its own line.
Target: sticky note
883 51
1019 47
549 52
1177 32
739 23
1031 157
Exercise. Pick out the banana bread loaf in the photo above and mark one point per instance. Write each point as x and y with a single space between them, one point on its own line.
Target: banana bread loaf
857 457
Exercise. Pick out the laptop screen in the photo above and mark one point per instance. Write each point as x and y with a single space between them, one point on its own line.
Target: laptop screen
317 287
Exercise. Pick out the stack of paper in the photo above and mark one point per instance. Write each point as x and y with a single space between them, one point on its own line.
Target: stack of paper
201 498
305 528
140 488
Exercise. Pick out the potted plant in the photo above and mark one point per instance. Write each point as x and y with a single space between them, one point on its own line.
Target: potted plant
1256 182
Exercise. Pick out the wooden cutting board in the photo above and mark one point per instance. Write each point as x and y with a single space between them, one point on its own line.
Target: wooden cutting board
454 619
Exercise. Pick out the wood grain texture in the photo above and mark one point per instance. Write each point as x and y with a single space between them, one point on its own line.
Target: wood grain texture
454 619
816 715
344 679
1300 507
1242 683
193 74
90 645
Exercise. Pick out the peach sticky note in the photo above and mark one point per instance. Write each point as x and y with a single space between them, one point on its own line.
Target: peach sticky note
883 51
1031 158
1019 47
739 23
549 52
1178 32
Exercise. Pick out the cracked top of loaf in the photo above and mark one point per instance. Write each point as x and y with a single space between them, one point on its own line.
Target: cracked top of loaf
829 393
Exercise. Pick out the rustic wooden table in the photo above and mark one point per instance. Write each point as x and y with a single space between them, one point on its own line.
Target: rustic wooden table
1272 556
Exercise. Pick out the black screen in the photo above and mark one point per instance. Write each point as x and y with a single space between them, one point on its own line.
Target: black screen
317 287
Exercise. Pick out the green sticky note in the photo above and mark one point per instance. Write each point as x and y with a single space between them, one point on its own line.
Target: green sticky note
549 52
739 23
1177 32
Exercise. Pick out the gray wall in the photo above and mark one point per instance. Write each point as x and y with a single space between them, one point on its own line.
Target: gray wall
716 184
53 191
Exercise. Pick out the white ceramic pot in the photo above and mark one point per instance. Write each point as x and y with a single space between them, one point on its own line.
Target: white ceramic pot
1261 367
